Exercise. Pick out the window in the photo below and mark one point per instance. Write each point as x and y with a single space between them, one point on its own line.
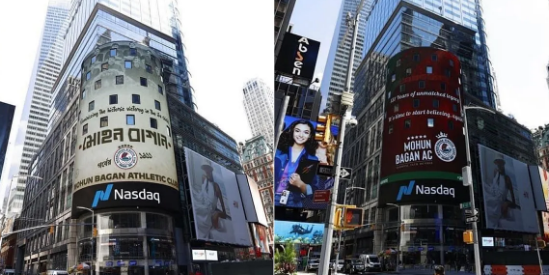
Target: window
136 99
128 64
113 99
455 107
143 81
113 52
429 69
168 131
398 63
157 105
422 84
434 57
443 86
119 79
457 91
104 66
104 121
85 129
91 106
98 84
407 124
393 78
408 72
83 94
154 124
416 57
133 51
88 75
402 88
451 124
436 103
416 103
130 119
160 90
93 59
395 108
451 63
448 72
148 68
430 122
390 128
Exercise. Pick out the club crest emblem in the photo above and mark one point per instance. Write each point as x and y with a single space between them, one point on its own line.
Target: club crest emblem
445 149
125 157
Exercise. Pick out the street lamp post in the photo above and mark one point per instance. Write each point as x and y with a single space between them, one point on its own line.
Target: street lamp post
93 237
476 247
398 233
342 217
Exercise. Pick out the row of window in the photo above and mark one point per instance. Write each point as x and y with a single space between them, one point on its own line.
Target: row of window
434 57
113 99
114 52
127 64
416 103
119 81
130 120
430 124
428 70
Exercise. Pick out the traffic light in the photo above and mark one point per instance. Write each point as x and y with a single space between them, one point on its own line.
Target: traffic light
52 229
541 244
337 217
95 232
320 128
468 237
353 217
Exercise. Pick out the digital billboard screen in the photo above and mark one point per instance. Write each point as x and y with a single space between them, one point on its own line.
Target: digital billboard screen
423 144
298 232
507 192
297 56
297 159
217 207
545 215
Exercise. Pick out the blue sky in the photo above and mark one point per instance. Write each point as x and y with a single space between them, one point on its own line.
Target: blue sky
518 38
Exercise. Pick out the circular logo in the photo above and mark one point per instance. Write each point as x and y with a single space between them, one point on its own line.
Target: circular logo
125 158
445 150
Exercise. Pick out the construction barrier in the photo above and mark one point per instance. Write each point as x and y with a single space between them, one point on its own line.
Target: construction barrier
515 269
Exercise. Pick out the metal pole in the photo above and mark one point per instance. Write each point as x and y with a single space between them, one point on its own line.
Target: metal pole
476 247
341 220
398 239
281 115
93 243
346 106
540 261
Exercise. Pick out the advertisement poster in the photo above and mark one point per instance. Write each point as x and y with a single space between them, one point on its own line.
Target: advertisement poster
545 215
297 56
423 144
260 238
507 192
217 207
298 232
297 159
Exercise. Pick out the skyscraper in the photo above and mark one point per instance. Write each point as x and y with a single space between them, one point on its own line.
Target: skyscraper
335 71
283 13
259 105
36 109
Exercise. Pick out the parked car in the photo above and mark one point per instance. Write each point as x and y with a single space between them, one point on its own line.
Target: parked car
339 265
313 264
354 266
371 262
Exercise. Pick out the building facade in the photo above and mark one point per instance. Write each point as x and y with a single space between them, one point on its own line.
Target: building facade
257 161
283 13
304 102
36 109
259 105
6 113
335 71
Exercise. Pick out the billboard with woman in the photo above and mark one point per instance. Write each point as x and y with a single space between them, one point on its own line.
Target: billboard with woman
297 157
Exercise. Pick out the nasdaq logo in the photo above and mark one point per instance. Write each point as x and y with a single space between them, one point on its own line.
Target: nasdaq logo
406 190
102 195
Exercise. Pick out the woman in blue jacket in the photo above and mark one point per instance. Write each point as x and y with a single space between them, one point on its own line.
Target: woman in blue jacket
296 144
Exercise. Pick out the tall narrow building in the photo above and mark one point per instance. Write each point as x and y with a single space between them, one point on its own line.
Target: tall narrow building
335 71
37 104
259 106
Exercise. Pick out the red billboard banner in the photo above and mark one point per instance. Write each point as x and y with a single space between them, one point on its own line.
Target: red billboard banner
423 144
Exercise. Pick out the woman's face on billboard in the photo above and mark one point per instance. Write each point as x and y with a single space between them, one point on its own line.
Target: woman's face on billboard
302 132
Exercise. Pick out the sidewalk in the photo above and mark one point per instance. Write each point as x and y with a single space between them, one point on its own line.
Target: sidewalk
430 272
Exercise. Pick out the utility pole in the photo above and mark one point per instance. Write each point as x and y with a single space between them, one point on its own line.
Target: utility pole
346 108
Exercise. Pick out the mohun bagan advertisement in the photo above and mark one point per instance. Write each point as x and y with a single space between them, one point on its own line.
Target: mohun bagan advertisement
423 143
124 152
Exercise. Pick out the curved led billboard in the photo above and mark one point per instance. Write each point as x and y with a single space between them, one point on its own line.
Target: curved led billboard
423 143
124 156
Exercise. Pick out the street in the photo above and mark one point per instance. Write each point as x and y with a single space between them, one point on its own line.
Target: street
406 272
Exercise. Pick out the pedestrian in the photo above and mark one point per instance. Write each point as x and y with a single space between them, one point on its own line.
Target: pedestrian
439 270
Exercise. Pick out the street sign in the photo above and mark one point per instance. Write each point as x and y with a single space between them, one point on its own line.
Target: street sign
345 173
325 170
465 205
472 212
471 219
321 196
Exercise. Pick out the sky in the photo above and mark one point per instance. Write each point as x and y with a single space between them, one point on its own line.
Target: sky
518 38
224 50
